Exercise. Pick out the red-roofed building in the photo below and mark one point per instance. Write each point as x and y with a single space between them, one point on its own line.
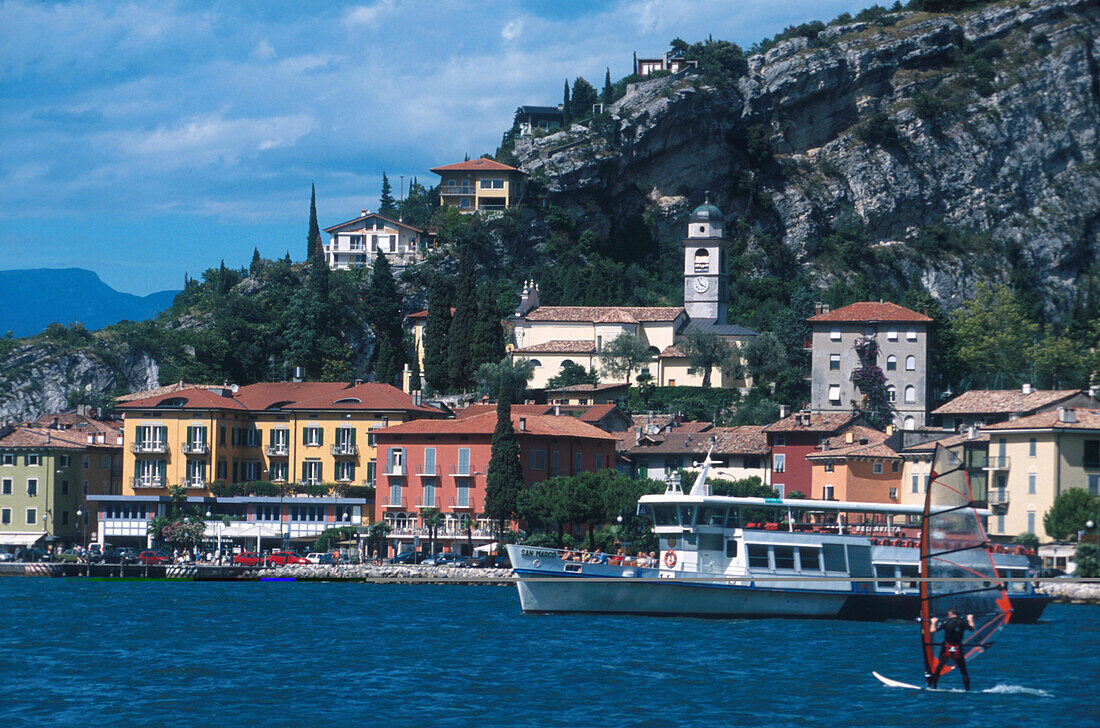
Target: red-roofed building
357 242
793 438
442 464
480 184
903 343
858 464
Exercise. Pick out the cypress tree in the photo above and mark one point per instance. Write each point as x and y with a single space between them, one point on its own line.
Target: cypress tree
584 96
634 68
387 205
608 91
488 343
383 312
460 338
313 241
414 380
505 477
566 109
256 264
436 330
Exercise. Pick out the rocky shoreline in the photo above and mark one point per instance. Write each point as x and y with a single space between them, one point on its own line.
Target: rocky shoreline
393 573
1071 592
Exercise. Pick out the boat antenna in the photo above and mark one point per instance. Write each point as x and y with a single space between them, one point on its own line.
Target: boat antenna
700 485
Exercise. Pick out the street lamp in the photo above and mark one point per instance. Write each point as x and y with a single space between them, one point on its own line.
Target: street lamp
80 526
219 547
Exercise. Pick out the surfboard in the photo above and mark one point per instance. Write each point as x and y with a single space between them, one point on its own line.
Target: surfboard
896 683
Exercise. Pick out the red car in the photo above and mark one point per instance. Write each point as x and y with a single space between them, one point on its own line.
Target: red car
282 558
154 557
248 558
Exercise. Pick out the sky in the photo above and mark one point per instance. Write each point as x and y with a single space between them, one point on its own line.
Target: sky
146 140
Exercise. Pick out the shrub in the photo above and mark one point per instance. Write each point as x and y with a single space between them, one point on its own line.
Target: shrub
879 130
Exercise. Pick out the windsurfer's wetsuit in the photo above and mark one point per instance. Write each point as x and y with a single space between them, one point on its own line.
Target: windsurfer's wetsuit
953 629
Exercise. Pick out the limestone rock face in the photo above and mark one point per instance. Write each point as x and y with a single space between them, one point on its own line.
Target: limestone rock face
36 379
991 122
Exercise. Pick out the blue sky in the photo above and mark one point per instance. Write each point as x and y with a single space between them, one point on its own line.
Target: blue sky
145 139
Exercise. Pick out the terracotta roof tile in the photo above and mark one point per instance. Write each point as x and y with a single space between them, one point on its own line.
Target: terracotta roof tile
743 440
484 424
615 316
818 422
1003 401
41 437
185 399
873 445
559 346
673 350
291 395
478 409
949 441
597 412
481 164
1085 419
594 313
166 389
870 312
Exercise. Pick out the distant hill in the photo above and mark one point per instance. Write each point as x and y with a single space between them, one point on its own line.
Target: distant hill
32 299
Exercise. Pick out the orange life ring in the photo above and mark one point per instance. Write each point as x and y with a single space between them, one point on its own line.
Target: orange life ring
670 559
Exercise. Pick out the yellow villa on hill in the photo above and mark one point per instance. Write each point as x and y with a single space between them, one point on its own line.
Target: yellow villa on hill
303 433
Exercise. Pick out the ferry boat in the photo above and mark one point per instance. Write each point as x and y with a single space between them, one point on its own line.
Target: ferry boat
810 561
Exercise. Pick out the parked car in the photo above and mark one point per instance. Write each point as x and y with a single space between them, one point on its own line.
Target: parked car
31 555
408 557
110 556
154 557
6 556
68 556
445 560
318 557
282 558
249 558
1050 573
128 555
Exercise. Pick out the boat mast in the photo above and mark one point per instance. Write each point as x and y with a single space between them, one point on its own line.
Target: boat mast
700 485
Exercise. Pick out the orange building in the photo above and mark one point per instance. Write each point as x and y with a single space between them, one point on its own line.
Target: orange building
859 464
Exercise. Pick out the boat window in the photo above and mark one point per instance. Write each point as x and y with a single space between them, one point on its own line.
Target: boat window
710 542
689 539
733 518
911 573
758 556
884 571
834 557
809 558
665 515
687 516
1015 587
859 560
731 549
784 557
712 516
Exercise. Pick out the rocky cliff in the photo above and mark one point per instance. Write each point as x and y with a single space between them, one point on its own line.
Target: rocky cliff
984 123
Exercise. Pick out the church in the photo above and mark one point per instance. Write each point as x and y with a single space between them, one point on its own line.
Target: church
553 336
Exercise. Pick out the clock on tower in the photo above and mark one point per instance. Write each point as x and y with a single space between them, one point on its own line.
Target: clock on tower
706 273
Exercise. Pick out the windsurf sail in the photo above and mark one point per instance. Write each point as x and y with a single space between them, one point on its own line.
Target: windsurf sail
957 564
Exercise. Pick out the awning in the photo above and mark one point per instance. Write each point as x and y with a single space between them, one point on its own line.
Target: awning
241 529
487 548
20 539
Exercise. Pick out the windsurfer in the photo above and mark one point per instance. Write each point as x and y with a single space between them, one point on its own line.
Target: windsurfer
953 629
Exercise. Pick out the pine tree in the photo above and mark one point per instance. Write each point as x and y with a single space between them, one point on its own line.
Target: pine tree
313 241
488 342
383 313
256 264
414 381
387 205
436 330
608 90
584 97
460 371
505 478
566 109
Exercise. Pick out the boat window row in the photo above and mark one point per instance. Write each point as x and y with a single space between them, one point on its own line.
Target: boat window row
793 558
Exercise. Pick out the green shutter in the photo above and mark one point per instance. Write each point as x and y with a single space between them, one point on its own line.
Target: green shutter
305 435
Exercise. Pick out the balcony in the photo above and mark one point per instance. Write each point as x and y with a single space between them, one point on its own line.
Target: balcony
139 483
159 448
434 504
194 483
344 448
456 506
457 190
998 500
403 503
194 448
277 451
395 470
462 472
997 462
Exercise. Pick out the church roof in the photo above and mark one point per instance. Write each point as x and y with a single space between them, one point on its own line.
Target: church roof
604 314
706 212
712 326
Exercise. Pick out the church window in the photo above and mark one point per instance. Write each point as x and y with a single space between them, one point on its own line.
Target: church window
702 261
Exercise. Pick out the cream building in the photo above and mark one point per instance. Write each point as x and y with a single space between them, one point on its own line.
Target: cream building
480 184
1040 457
553 336
357 242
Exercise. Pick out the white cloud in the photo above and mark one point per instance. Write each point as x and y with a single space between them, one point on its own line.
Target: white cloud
263 51
213 140
512 30
367 14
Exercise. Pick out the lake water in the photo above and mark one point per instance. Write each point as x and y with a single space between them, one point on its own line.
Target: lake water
99 653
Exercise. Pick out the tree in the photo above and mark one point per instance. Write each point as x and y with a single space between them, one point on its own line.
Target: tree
314 247
461 335
383 314
572 374
608 90
256 264
1071 510
504 480
876 407
376 534
993 334
1058 361
584 96
505 375
622 355
432 520
387 206
436 330
414 378
706 350
488 341
765 357
566 108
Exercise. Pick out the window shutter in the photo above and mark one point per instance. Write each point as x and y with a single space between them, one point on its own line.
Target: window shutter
320 473
305 435
389 460
163 433
320 436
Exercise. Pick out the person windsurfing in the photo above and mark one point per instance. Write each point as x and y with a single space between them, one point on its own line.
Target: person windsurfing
954 627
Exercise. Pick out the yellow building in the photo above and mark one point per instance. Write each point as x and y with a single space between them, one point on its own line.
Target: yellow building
480 184
1032 460
299 434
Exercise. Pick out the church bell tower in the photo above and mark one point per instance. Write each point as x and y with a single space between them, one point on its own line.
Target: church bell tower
706 266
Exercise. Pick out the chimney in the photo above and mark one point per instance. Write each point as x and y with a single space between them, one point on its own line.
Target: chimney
358 382
971 432
1094 390
849 437
1026 389
784 411
1067 415
638 436
298 373
406 380
889 430
523 424
416 397
362 213
557 409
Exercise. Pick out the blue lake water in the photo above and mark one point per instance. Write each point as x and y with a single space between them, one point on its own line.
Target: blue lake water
90 653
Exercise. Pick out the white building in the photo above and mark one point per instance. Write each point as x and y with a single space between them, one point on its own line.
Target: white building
357 242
